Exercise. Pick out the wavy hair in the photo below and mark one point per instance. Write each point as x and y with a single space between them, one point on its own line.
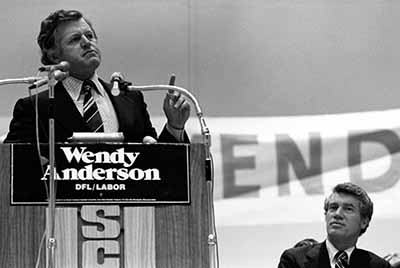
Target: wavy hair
46 39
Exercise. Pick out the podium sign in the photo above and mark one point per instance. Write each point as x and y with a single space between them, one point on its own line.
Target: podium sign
102 173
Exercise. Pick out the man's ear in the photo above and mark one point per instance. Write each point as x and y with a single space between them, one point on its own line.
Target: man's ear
53 55
364 222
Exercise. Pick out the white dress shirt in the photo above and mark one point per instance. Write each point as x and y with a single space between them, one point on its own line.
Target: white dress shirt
332 252
103 102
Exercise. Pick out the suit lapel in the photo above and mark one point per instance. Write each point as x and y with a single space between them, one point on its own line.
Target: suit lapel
126 120
317 257
67 115
359 259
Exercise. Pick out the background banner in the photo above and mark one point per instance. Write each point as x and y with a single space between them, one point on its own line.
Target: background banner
272 175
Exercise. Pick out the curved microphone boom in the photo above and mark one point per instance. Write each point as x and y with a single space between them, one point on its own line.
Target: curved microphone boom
204 129
212 237
117 77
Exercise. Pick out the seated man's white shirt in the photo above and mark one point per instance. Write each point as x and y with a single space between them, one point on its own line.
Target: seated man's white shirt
332 252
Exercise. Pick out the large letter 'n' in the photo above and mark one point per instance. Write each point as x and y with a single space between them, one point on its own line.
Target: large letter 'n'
288 154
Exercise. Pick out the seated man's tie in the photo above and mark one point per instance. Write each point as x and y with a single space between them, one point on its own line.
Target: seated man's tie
341 260
91 113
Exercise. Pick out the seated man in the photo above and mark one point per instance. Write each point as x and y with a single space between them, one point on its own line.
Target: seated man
348 211
83 102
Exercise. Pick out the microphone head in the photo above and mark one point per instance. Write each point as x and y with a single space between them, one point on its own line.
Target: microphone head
63 66
59 75
116 76
115 91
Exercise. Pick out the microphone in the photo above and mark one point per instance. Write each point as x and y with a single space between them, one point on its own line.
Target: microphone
58 76
23 80
63 66
39 83
116 78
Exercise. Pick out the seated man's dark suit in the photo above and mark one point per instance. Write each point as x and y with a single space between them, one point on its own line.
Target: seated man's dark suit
133 118
316 256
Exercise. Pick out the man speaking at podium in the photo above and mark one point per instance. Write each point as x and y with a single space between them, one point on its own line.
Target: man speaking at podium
83 102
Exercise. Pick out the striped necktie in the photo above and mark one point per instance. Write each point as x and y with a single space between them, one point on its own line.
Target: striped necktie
341 260
91 113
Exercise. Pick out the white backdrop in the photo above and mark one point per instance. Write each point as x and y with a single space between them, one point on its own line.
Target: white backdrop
256 225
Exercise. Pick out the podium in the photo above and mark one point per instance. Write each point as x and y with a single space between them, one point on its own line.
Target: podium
115 235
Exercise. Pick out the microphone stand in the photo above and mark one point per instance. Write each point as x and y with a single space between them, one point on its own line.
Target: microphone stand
51 202
212 237
51 240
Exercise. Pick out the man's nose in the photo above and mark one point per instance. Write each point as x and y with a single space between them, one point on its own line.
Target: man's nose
85 41
338 212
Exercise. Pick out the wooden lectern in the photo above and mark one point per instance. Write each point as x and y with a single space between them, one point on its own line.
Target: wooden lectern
95 236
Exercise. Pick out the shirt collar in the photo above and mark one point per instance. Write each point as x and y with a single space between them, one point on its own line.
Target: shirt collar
73 86
332 251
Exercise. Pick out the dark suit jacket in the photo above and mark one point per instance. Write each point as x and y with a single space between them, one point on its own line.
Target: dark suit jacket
316 256
133 118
